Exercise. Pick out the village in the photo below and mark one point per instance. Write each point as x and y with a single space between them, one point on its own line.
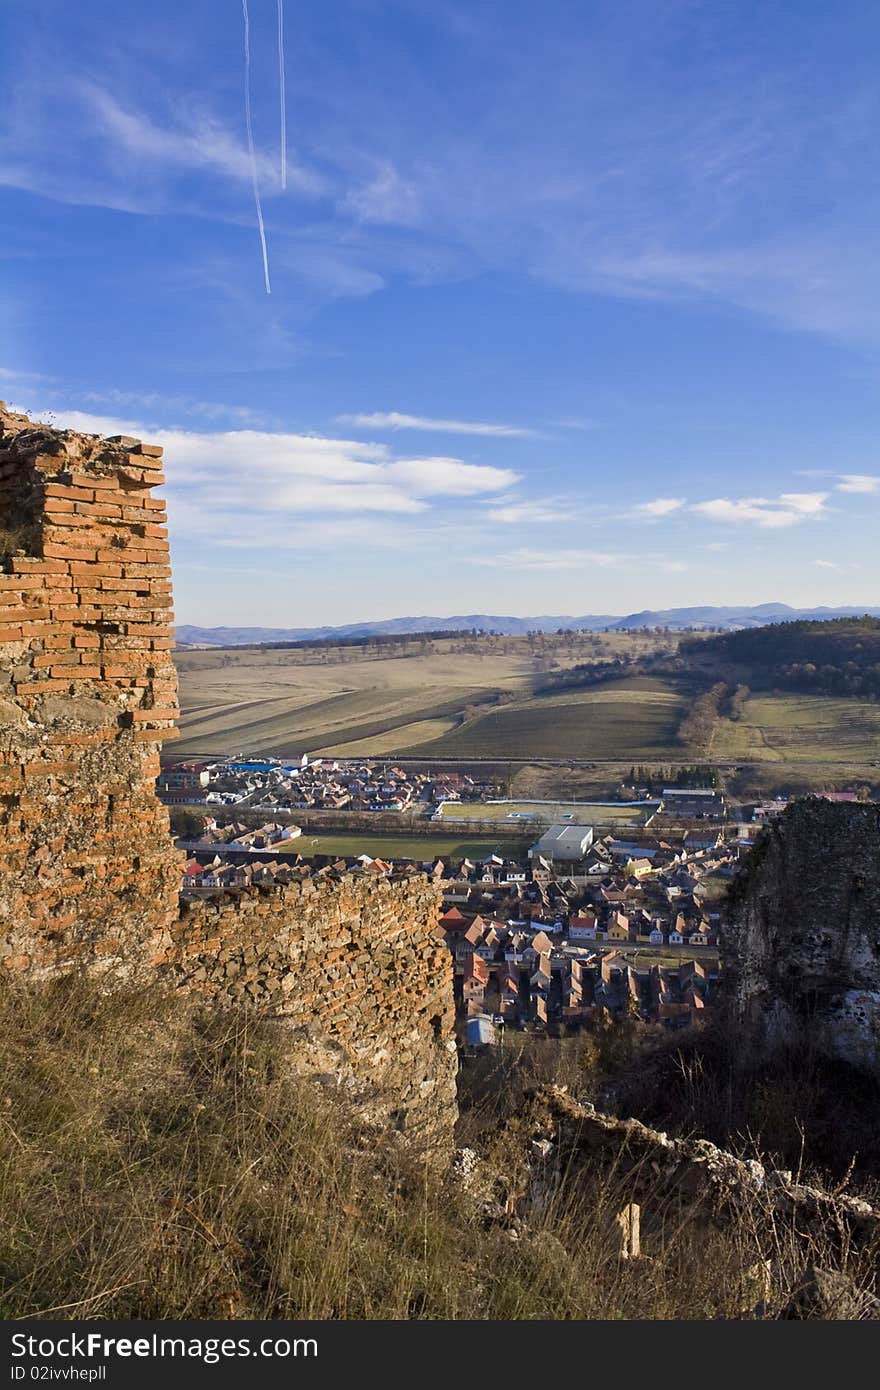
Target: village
578 928
319 784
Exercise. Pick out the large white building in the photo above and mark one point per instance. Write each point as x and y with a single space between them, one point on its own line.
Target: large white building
563 844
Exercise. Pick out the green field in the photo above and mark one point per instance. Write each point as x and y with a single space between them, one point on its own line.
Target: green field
625 719
419 847
801 729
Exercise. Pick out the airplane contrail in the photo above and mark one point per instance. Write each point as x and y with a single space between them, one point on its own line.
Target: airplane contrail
283 98
250 138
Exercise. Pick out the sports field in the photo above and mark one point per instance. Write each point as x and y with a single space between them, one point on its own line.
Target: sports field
348 844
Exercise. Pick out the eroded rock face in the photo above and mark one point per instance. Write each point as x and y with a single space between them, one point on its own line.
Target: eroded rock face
801 944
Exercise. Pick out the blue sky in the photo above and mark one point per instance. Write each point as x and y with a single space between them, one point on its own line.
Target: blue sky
574 306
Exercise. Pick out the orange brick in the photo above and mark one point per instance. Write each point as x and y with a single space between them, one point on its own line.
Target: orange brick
98 569
24 613
13 582
68 552
105 483
45 768
41 566
73 493
11 634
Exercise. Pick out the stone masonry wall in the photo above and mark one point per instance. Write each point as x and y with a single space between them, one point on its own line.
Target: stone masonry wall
355 969
88 692
352 968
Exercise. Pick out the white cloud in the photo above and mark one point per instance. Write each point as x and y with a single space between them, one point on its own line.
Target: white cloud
513 512
20 378
185 405
197 142
527 558
394 420
786 510
426 477
253 478
858 482
387 197
661 506
826 564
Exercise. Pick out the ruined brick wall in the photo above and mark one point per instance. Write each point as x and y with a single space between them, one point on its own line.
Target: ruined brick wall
88 873
355 969
88 692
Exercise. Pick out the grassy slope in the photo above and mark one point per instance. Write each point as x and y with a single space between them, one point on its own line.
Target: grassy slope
158 1163
801 728
627 719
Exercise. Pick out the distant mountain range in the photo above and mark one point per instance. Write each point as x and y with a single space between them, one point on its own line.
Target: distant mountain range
678 619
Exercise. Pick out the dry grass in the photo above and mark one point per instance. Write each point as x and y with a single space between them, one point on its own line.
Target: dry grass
159 1162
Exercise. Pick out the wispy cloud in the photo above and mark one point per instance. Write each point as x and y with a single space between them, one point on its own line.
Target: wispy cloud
195 141
170 404
538 511
387 197
21 378
661 506
395 420
426 477
788 509
525 557
858 482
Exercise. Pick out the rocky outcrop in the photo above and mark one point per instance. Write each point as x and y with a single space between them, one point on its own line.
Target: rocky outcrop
801 943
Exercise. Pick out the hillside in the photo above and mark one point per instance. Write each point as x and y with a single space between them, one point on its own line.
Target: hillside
837 657
612 698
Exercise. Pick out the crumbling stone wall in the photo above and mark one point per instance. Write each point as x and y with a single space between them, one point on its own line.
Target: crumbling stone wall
88 692
88 874
355 970
801 944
